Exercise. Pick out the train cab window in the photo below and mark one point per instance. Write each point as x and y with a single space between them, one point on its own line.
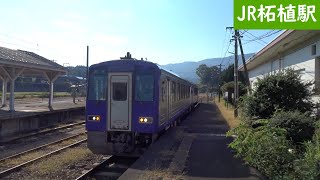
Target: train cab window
97 85
119 91
144 87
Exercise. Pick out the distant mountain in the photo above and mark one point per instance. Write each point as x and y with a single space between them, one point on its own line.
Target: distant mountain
188 69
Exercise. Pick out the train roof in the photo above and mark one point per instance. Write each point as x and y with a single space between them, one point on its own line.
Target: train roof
135 61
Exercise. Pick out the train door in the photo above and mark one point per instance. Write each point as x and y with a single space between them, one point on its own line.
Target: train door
119 101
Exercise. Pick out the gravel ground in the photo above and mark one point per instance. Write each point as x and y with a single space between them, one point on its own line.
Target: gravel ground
43 151
67 165
32 142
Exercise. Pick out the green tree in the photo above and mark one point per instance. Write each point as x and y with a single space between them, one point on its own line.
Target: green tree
227 75
79 71
209 76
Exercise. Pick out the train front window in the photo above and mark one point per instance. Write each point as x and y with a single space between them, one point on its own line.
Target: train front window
144 87
119 91
97 85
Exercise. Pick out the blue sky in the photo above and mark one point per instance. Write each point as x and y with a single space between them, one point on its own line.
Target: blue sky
164 31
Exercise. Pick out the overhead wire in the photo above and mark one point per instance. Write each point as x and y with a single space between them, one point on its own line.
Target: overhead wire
225 54
259 38
20 39
268 34
224 43
18 45
256 37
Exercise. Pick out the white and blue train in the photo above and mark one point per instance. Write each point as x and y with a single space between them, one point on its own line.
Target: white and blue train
130 102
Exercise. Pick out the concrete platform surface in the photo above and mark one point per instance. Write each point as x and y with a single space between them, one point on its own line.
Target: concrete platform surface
33 106
196 149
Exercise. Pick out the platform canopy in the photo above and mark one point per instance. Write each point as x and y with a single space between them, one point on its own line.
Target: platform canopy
14 63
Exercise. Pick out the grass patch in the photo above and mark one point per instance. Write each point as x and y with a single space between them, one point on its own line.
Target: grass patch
36 154
157 173
58 162
22 95
227 113
21 159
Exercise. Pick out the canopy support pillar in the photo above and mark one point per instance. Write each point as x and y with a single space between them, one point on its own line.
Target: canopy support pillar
13 73
51 76
4 91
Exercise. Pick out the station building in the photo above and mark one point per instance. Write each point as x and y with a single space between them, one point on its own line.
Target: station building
296 49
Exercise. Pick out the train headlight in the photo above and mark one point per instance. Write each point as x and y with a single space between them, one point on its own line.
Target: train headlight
145 120
94 118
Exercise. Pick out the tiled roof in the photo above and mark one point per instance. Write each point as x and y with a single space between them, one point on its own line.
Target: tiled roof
21 57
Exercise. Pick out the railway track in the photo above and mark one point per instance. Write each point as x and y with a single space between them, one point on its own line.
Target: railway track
15 162
41 132
112 167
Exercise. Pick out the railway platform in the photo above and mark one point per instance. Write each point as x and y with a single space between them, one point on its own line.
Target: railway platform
196 149
26 107
32 114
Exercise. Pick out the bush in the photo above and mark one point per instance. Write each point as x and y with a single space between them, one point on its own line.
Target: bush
300 127
265 148
249 107
308 166
283 90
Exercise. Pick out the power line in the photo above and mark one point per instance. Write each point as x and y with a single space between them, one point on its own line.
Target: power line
249 41
18 45
12 37
226 49
225 54
268 34
229 59
224 42
259 39
256 37
244 32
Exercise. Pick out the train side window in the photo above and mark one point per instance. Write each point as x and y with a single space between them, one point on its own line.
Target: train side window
179 93
173 91
144 87
163 90
119 91
97 85
187 92
182 91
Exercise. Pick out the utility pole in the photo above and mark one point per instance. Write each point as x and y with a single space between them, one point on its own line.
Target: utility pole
236 87
219 80
87 75
244 65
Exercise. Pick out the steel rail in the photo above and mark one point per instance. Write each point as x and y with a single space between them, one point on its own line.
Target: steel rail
91 171
41 132
40 147
17 167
